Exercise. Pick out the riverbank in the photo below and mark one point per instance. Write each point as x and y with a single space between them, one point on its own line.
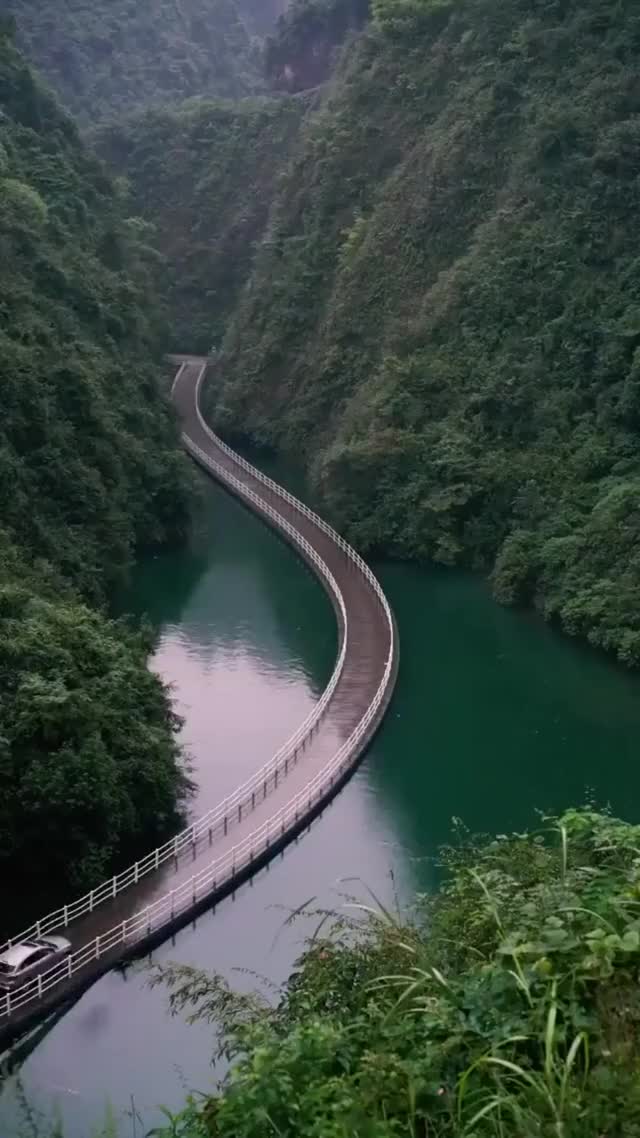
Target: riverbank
506 1007
544 720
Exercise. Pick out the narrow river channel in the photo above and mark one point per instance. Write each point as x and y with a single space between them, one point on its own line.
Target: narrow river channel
495 715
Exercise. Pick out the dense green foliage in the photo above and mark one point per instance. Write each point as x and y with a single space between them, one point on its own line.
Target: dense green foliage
444 316
109 58
204 175
89 470
88 462
507 1008
87 754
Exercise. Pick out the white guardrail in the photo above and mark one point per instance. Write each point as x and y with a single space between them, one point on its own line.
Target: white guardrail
234 807
255 790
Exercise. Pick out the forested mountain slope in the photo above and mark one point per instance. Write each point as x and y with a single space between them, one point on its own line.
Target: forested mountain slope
106 59
303 48
261 15
204 174
89 470
445 314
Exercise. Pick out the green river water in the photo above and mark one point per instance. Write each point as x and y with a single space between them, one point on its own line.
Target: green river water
495 715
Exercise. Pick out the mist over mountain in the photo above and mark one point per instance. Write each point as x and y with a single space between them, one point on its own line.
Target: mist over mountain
107 59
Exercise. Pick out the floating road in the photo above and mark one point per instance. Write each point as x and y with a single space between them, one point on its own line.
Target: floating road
139 907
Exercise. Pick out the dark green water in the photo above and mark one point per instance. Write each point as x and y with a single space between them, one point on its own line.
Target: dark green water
494 716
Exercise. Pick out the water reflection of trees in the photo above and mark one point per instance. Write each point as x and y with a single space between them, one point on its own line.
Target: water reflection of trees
496 716
238 581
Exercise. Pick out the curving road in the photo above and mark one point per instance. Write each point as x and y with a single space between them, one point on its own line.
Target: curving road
142 905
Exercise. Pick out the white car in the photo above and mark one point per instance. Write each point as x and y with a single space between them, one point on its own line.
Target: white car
22 962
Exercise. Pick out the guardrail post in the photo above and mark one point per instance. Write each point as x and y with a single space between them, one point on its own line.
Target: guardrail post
157 857
39 987
253 800
90 904
136 873
240 812
265 788
8 1003
226 826
275 781
97 948
38 929
114 886
69 966
66 916
210 836
286 766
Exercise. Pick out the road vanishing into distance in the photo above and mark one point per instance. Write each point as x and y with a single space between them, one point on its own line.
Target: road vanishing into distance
139 907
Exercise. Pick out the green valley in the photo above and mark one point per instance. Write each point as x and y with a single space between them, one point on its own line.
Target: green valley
404 233
444 305
431 255
203 175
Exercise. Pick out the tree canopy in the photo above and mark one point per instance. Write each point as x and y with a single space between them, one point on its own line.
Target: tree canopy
107 59
88 761
444 308
90 471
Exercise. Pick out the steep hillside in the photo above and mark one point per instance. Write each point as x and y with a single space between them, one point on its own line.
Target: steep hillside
106 59
261 15
89 471
445 316
301 51
204 175
88 462
204 172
